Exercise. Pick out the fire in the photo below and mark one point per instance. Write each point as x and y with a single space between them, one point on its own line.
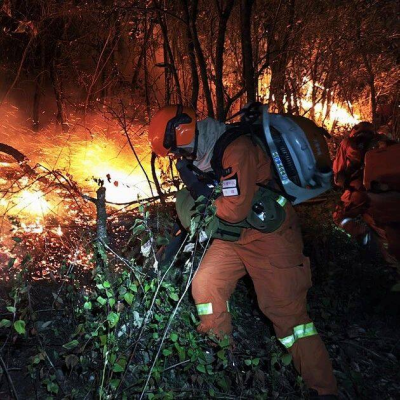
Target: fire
35 227
337 115
112 163
53 220
32 202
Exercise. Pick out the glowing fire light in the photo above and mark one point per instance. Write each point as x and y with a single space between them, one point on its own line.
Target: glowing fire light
36 227
32 202
337 114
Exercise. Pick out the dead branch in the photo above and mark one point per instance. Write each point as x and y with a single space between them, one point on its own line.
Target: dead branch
3 365
18 156
101 220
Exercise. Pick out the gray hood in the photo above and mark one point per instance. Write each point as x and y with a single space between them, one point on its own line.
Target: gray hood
210 131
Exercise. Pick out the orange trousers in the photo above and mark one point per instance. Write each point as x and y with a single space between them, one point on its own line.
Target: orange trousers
281 276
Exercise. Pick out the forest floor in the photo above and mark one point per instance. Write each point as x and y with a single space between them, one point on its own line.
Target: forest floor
351 302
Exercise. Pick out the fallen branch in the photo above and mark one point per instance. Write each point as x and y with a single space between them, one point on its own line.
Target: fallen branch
21 159
3 365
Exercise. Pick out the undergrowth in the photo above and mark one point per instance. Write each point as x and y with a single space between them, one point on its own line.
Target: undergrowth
129 329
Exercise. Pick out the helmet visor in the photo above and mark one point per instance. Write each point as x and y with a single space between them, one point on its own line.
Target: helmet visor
170 130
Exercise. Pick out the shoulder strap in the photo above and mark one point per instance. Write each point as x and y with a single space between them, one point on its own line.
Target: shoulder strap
222 143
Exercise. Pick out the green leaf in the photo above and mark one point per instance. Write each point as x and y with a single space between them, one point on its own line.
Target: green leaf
286 359
221 355
103 340
174 296
52 387
112 319
162 240
128 297
166 352
71 345
16 239
201 199
26 259
11 309
201 368
255 361
87 305
247 362
101 300
19 326
5 323
114 383
11 262
133 287
138 230
225 342
111 302
173 337
200 208
106 284
120 365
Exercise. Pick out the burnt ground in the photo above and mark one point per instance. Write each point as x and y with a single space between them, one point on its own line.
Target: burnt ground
351 302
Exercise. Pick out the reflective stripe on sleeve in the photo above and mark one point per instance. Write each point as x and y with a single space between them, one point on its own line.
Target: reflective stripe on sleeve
204 309
207 308
281 201
299 331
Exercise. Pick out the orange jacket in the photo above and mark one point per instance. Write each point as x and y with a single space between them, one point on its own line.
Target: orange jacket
348 164
249 166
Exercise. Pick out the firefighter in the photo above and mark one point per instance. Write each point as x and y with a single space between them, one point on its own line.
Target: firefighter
355 213
275 261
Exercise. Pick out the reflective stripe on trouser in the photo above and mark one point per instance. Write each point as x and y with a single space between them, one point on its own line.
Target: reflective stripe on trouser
299 332
281 201
207 308
281 277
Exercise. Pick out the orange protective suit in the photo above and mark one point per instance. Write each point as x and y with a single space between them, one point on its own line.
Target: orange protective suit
276 264
348 168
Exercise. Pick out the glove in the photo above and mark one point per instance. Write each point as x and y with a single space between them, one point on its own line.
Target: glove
189 178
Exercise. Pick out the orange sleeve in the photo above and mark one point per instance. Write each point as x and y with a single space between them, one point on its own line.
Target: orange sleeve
340 164
241 156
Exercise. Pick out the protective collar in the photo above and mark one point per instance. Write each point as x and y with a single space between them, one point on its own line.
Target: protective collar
209 131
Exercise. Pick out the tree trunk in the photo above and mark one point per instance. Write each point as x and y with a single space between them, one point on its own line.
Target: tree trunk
247 50
201 59
219 57
142 56
167 75
36 102
59 95
192 56
155 179
169 57
278 61
38 89
146 75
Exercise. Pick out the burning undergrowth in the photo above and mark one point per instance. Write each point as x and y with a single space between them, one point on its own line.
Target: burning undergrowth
48 184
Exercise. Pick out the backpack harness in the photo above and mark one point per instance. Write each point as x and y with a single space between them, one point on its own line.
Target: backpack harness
267 211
